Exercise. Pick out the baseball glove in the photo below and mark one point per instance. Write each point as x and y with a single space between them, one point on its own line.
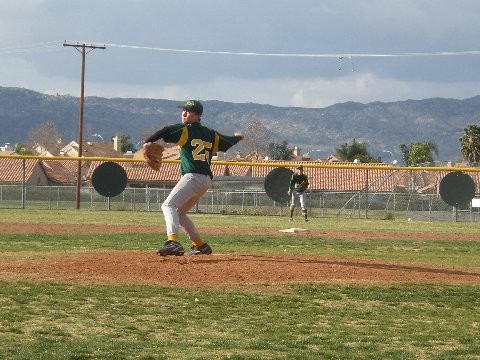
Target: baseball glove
153 152
302 186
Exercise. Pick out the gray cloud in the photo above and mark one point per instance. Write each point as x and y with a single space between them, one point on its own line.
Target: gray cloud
32 55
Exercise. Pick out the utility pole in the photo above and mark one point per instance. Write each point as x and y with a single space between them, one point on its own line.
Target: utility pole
81 47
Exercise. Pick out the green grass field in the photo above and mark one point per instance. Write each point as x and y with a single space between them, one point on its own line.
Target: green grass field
48 320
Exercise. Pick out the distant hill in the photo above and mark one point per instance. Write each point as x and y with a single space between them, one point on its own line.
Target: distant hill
384 126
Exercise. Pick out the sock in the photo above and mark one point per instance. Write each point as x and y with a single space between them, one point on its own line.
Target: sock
198 242
173 237
291 213
305 213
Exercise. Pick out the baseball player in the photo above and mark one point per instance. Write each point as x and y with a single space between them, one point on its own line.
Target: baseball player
197 146
298 185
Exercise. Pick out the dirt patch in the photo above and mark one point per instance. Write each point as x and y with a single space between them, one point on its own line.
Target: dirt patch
219 269
138 267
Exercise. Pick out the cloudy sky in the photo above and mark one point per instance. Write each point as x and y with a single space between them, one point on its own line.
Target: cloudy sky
307 53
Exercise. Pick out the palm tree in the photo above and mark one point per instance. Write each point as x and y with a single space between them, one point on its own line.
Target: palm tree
470 144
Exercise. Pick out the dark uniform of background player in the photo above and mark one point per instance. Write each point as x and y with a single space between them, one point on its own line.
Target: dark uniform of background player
298 185
197 146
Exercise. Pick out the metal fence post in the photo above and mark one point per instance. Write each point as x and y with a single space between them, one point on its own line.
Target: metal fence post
366 193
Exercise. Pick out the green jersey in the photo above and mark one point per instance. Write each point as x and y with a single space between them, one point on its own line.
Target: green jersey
298 182
197 145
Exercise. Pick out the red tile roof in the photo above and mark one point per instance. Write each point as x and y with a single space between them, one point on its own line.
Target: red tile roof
11 170
327 178
60 172
238 170
142 172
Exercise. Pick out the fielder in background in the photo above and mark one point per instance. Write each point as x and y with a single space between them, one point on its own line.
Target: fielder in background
197 146
298 185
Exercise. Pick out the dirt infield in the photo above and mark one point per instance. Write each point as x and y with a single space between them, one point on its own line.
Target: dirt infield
138 267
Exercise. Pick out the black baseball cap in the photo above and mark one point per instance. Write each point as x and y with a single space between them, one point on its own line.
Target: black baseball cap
194 106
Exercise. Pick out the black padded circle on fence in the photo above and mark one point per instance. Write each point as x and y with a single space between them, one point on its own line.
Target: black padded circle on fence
109 179
457 188
276 184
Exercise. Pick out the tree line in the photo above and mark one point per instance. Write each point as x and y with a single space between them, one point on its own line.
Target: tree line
258 145
413 154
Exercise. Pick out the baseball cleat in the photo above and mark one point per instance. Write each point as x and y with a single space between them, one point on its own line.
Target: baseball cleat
205 249
171 248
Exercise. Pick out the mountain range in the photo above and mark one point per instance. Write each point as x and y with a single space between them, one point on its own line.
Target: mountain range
383 126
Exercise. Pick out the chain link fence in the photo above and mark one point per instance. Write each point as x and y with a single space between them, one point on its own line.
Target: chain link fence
386 192
248 198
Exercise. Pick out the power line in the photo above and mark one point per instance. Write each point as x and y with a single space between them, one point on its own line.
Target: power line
300 55
30 48
53 44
